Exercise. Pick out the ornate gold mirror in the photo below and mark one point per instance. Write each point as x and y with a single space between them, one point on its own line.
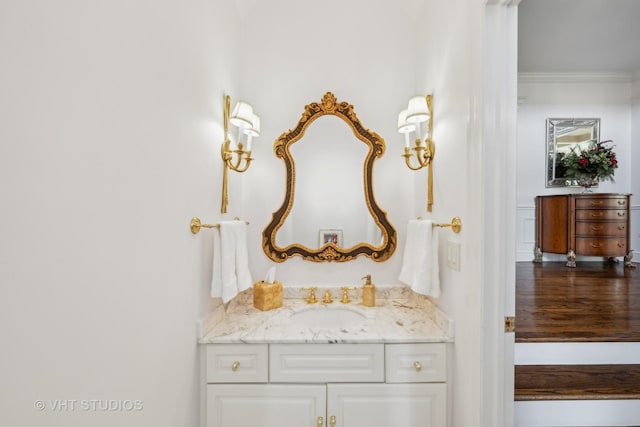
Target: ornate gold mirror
335 217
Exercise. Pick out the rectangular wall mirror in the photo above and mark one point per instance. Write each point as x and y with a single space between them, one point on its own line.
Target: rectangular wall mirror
563 135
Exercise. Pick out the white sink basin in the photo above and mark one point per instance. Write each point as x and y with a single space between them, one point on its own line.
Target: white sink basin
327 318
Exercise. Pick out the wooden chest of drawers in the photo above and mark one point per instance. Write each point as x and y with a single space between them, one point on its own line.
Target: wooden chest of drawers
591 224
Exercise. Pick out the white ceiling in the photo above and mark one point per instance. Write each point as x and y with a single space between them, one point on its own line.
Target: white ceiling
579 36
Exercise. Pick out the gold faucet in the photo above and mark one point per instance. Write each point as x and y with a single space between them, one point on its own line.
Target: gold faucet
345 294
328 298
312 295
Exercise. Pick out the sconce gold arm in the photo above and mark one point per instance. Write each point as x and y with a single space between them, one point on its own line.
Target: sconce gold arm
227 155
424 154
456 224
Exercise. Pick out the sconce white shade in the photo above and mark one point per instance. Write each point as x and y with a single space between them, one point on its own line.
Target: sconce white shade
242 115
418 110
254 130
403 125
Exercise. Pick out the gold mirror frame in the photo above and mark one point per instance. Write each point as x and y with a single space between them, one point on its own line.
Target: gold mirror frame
329 251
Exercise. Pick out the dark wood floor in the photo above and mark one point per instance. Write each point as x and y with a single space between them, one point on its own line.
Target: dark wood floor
577 382
596 301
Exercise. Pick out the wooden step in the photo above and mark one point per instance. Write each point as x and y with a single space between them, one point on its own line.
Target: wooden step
577 382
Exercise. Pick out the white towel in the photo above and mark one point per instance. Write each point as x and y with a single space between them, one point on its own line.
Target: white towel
216 277
420 270
230 260
243 275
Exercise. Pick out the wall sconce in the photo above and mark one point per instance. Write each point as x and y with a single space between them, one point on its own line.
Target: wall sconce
419 110
237 156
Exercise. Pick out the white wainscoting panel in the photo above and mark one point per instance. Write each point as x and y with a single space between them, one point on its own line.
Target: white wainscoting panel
525 232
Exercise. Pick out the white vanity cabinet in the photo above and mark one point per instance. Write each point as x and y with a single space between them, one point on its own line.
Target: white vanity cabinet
332 385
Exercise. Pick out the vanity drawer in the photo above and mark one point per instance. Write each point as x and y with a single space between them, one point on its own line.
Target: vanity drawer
601 214
601 202
601 229
602 246
237 363
412 363
305 363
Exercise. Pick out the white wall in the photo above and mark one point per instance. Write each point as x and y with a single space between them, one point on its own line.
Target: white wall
326 46
109 144
556 96
635 159
376 58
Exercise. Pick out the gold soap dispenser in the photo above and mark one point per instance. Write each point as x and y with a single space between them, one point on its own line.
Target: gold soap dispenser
368 292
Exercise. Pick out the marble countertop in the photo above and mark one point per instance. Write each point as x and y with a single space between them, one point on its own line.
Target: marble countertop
400 316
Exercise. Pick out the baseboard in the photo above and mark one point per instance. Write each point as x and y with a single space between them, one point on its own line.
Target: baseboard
577 413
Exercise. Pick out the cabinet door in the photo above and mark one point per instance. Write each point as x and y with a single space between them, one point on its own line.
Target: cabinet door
384 405
265 405
553 223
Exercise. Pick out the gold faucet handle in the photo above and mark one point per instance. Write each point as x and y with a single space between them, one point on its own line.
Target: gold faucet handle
328 298
312 295
345 294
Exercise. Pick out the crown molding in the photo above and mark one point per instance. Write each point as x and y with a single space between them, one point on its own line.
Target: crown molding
621 77
501 2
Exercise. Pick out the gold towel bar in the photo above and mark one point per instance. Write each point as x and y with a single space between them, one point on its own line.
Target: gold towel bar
456 224
196 224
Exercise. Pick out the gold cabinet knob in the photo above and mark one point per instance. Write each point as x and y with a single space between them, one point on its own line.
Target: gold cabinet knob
332 421
417 365
320 422
235 365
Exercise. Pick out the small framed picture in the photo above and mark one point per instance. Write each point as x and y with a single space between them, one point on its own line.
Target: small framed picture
330 235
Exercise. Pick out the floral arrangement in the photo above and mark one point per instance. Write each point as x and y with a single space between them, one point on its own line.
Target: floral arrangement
596 163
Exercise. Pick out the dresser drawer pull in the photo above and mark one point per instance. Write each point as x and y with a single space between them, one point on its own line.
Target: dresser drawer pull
417 366
235 365
621 245
596 228
598 203
596 245
597 214
621 214
621 227
622 202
